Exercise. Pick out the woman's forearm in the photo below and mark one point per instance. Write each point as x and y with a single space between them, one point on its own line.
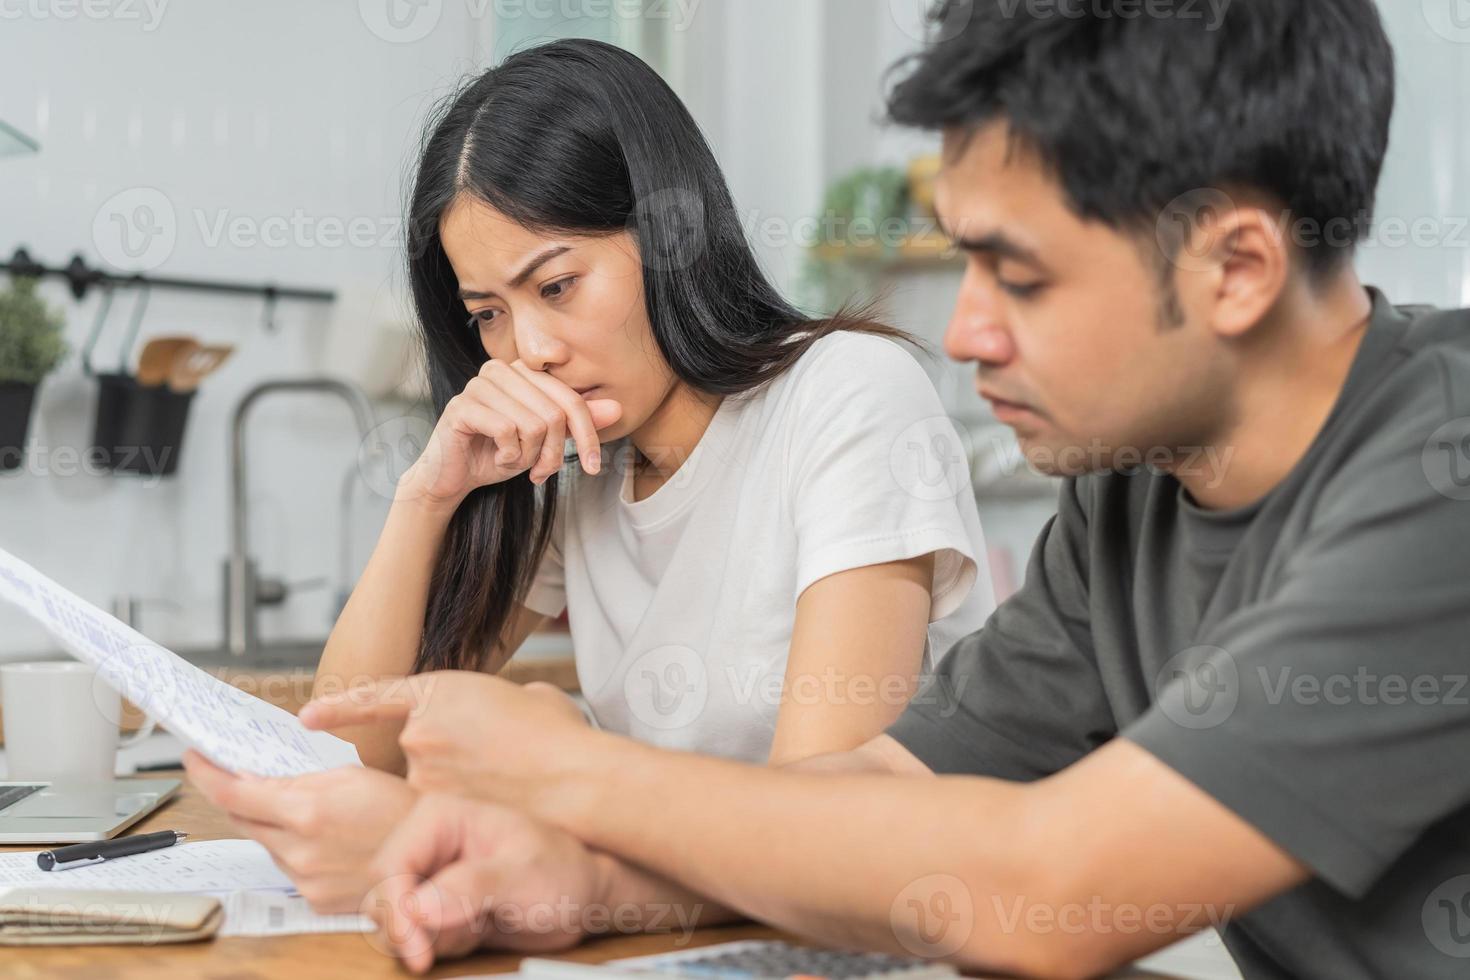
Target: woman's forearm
380 628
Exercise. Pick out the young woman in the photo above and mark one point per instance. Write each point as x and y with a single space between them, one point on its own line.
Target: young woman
766 534
760 540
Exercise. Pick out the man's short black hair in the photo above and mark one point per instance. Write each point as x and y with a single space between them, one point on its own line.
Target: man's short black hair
1135 103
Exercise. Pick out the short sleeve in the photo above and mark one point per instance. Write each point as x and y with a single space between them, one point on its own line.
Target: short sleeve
548 593
879 472
1021 698
1334 714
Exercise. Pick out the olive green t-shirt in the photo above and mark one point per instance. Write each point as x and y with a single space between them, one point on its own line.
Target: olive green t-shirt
1304 661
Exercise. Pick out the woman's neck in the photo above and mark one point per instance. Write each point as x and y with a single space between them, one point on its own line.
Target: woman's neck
669 436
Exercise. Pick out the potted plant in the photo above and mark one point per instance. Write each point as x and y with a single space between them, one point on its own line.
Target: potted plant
864 218
31 346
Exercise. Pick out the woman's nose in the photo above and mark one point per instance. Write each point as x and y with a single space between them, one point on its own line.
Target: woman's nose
537 347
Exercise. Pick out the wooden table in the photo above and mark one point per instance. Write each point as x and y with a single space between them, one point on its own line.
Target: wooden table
248 958
313 956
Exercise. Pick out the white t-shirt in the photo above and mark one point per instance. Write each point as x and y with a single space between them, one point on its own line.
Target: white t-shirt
682 605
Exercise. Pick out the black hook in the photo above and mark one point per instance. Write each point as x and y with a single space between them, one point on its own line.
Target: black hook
22 266
79 277
103 309
140 306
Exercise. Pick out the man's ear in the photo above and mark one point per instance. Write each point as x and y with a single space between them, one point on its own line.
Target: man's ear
1230 258
1252 263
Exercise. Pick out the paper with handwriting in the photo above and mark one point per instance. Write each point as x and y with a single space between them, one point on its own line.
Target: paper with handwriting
237 730
211 867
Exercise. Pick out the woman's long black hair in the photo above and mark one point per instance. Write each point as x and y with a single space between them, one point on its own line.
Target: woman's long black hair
583 137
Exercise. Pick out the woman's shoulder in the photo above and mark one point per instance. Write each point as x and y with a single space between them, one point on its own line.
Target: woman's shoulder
846 359
849 362
845 379
845 347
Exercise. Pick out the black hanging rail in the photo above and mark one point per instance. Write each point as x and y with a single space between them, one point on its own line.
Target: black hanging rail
82 277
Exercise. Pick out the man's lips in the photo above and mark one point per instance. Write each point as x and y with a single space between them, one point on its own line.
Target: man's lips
995 399
1005 408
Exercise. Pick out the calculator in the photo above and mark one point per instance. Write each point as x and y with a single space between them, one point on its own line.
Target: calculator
748 960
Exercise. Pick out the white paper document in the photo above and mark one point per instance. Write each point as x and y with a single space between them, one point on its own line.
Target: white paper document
237 730
278 914
211 867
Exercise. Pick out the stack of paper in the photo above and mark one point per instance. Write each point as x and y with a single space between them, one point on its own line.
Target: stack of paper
258 899
277 914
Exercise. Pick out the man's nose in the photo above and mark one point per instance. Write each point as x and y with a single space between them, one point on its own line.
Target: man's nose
977 331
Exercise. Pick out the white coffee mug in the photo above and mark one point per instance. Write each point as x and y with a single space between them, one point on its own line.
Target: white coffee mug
61 722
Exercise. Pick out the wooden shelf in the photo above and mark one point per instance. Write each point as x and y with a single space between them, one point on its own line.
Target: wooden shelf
929 250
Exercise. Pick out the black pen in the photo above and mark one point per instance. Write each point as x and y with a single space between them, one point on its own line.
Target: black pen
93 852
169 766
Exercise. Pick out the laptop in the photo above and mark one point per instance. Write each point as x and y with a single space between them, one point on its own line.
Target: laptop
71 813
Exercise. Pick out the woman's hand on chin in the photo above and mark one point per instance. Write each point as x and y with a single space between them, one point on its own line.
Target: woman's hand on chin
468 732
508 420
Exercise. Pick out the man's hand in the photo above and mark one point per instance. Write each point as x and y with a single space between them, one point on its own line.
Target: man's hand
469 733
321 829
457 875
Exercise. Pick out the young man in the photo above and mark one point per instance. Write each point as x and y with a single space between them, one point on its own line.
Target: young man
1232 690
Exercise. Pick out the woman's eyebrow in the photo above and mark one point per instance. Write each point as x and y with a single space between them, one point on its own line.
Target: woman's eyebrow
520 278
536 263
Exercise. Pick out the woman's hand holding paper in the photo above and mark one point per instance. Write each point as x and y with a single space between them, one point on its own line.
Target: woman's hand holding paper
322 829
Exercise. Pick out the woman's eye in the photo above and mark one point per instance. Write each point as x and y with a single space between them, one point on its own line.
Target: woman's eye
481 318
558 289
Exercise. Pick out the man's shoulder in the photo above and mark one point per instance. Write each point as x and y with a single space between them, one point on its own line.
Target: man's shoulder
1431 325
1436 349
1424 384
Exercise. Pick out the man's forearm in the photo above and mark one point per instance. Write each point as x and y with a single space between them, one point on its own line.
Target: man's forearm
872 860
669 905
662 905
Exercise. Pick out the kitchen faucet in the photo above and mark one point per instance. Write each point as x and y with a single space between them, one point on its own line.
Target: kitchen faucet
245 591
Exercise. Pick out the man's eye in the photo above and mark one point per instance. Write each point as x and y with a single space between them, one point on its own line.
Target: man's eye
558 289
1020 290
